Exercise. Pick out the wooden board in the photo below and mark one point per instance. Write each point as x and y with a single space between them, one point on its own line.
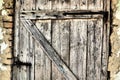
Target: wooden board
61 39
95 32
78 44
95 4
60 42
44 66
49 50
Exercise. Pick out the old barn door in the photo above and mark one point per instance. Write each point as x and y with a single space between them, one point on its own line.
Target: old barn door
61 40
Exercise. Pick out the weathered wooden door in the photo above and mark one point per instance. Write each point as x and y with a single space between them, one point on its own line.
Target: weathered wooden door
61 40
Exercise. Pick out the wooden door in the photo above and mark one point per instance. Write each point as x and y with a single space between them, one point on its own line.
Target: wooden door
61 40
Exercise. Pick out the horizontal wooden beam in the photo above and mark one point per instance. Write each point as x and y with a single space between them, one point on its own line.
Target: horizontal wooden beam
50 51
43 15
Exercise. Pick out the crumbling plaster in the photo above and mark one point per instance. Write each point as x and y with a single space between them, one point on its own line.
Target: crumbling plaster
5 51
114 59
3 44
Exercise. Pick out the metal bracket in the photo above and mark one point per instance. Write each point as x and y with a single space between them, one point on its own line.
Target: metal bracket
104 13
17 62
86 13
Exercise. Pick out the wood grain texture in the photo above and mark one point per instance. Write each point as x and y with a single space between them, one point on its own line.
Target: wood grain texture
75 4
64 5
106 40
95 32
45 28
74 47
28 5
104 54
78 43
83 4
60 42
15 73
98 47
38 65
65 40
31 57
95 4
82 51
23 73
17 28
55 5
50 51
43 4
23 54
47 34
51 14
16 39
24 44
56 75
90 54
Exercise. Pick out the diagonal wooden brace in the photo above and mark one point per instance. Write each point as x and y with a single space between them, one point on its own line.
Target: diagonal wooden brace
49 50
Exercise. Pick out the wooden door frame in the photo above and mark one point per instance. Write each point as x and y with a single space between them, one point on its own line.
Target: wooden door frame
107 28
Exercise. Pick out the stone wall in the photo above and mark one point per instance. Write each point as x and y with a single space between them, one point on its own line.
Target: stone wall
114 59
6 24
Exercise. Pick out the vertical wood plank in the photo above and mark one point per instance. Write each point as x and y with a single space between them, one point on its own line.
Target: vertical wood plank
15 73
64 40
17 70
39 57
98 48
90 54
38 65
75 4
56 75
45 68
106 39
95 29
64 5
78 49
104 54
23 73
17 32
48 64
28 5
83 4
24 44
31 56
82 51
43 4
74 47
23 54
55 5
95 5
